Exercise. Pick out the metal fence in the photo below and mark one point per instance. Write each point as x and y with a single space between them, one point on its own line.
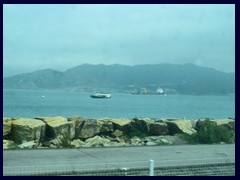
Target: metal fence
193 167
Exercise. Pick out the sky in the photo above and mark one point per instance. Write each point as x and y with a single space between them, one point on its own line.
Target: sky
62 36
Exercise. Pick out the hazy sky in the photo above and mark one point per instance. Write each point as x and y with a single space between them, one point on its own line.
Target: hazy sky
63 36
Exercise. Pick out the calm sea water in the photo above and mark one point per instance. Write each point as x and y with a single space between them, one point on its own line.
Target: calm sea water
30 103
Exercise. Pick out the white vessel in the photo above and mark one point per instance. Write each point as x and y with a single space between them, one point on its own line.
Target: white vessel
101 95
160 91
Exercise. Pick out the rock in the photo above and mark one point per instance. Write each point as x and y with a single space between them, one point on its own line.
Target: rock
28 145
96 141
143 121
164 141
117 133
180 126
26 129
202 122
225 123
232 139
194 123
231 125
123 125
78 121
158 129
150 140
6 126
135 141
89 129
7 144
175 140
120 122
107 127
61 141
139 126
76 118
216 130
77 143
56 141
45 144
151 143
146 120
53 146
58 126
118 142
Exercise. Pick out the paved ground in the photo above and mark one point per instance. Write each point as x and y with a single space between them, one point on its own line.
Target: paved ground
20 162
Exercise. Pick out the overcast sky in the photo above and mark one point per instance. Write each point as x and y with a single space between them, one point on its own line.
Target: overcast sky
63 36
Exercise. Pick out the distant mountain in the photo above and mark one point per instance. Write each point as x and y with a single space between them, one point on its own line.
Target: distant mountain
182 79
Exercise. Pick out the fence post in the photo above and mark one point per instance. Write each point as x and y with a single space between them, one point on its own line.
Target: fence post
151 167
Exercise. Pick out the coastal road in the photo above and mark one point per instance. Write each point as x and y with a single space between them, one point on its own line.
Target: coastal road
39 161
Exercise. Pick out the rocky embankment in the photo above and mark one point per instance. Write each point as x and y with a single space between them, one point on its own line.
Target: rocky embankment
61 132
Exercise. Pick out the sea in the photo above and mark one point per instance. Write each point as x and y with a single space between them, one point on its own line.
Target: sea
42 103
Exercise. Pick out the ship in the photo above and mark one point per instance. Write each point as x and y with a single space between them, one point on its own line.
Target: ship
160 91
101 95
144 91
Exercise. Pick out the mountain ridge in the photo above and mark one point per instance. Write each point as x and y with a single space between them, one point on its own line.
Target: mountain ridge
182 79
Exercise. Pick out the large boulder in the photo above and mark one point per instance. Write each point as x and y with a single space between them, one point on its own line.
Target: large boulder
176 139
143 121
106 126
97 141
123 125
58 126
27 129
229 124
139 126
150 140
28 145
136 141
202 122
161 140
117 133
216 130
78 122
61 141
132 127
77 143
6 126
89 128
7 144
120 142
180 126
76 118
158 128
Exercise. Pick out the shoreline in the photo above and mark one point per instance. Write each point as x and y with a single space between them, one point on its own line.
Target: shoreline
79 132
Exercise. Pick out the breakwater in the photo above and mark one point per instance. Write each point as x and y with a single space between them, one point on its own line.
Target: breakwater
77 132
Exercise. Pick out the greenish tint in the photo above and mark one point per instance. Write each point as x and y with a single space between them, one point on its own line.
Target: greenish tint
138 128
64 141
210 133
